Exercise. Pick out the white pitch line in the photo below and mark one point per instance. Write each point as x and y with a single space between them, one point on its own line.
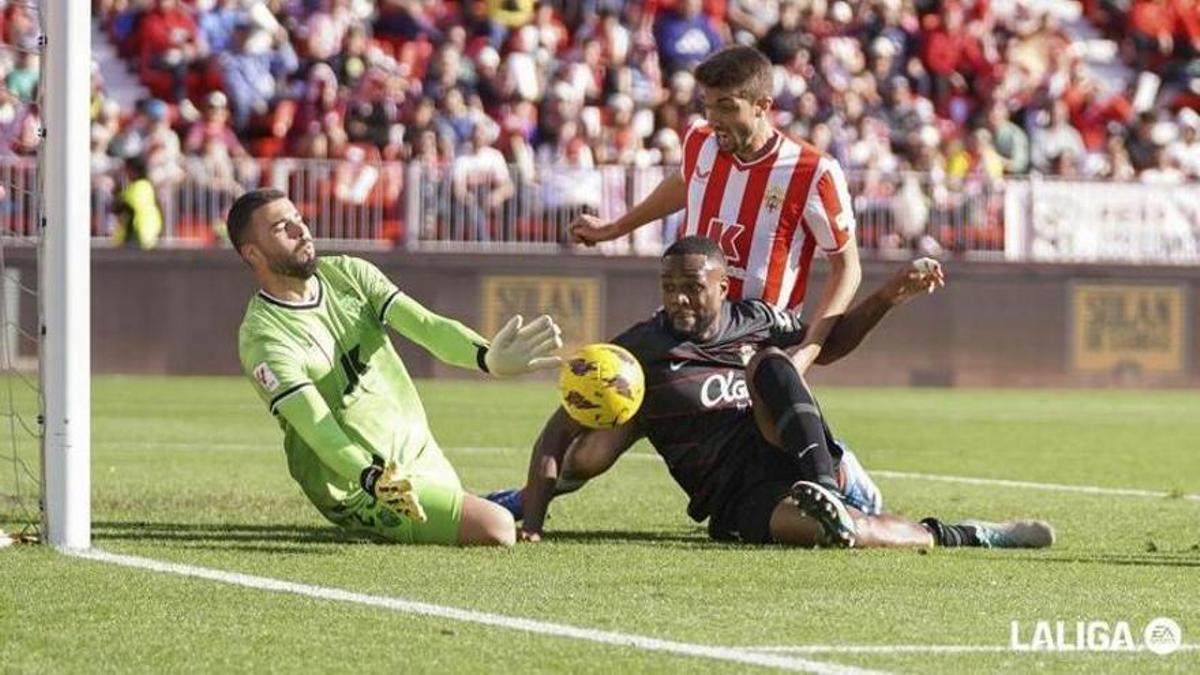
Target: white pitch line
1051 487
925 649
483 618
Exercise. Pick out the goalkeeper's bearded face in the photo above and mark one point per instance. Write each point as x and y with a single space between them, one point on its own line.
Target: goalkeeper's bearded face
283 240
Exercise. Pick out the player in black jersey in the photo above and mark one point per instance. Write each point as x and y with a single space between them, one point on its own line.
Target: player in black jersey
737 426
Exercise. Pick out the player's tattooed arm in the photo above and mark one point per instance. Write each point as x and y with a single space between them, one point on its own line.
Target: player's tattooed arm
565 456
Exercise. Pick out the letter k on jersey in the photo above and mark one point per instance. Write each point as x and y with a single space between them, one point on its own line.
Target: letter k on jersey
729 236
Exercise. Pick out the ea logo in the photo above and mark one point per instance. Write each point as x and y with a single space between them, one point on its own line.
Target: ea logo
724 388
1162 636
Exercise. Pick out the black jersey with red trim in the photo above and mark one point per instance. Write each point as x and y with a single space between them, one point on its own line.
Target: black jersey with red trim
696 412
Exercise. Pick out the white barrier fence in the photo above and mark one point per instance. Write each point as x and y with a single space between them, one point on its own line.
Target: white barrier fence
463 207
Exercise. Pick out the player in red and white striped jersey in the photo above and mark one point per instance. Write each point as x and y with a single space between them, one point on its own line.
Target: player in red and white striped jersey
768 200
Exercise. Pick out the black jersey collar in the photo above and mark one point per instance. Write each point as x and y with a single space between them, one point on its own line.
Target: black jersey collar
309 304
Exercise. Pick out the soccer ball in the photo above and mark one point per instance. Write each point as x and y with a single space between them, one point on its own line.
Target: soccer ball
601 386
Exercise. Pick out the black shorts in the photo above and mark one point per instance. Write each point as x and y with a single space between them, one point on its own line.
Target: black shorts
746 515
766 478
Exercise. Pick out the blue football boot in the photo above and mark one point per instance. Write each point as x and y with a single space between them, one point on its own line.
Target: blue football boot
857 487
512 499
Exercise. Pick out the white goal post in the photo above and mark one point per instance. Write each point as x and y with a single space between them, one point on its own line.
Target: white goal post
64 286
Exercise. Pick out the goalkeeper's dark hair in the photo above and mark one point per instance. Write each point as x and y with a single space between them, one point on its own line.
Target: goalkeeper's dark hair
238 221
695 245
740 68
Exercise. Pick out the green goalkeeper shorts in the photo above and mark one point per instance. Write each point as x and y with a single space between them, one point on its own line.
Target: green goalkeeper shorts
439 492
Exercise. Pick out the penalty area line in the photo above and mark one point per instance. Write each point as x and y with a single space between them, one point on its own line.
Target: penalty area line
645 643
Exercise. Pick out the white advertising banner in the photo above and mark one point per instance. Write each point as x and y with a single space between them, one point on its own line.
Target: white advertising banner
1110 222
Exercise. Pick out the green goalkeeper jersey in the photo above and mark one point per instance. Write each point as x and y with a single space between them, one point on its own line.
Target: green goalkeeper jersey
330 375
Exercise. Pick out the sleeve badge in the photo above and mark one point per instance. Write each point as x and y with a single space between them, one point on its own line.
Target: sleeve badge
265 378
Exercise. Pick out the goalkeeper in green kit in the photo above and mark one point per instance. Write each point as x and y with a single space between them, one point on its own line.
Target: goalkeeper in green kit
314 344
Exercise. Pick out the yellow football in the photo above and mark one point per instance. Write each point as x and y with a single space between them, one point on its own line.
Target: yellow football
601 386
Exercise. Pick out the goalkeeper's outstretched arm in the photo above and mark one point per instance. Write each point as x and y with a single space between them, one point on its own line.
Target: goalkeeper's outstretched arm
516 349
565 456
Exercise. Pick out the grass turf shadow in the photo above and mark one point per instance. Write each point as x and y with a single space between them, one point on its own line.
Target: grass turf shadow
230 533
693 539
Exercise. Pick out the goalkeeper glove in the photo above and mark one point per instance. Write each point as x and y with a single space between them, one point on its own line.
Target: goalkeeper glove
395 492
518 349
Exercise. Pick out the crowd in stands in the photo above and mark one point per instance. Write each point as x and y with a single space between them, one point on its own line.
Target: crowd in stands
957 90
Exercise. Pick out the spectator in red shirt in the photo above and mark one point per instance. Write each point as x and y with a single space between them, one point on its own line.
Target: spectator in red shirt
1092 110
1188 26
171 43
1152 31
943 46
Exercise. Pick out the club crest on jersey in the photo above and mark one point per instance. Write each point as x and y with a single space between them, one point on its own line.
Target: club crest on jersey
264 376
745 353
775 195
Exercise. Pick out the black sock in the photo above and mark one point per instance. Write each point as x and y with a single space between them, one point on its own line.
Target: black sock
797 418
951 535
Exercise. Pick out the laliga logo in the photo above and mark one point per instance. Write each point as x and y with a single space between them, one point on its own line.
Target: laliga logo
726 388
1161 636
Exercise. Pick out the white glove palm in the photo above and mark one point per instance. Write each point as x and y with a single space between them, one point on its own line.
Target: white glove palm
518 349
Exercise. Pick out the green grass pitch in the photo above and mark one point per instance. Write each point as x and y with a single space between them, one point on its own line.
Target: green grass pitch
190 470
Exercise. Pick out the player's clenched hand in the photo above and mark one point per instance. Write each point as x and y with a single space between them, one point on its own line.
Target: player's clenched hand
518 349
589 230
393 491
924 275
528 537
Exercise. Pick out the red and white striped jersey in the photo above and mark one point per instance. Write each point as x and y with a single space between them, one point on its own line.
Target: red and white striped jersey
768 215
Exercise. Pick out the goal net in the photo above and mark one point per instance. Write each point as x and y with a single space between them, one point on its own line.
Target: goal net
45 488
